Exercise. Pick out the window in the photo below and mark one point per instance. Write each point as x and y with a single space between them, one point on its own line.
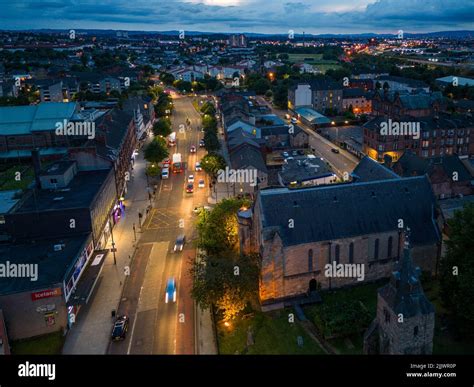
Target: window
351 253
337 253
415 331
310 260
390 246
53 181
376 249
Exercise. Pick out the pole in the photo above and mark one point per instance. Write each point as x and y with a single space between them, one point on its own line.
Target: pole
134 233
113 245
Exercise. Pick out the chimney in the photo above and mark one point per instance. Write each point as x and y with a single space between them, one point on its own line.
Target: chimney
35 157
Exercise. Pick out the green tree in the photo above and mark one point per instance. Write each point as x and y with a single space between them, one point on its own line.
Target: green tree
162 127
280 96
457 269
212 163
156 151
211 142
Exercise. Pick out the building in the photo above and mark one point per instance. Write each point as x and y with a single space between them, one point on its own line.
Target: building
397 104
405 319
302 171
449 177
428 136
455 81
322 95
299 232
67 270
357 100
402 84
238 40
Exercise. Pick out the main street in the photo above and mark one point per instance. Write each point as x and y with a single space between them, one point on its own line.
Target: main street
157 327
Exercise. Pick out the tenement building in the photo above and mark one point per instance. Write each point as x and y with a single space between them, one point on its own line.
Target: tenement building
338 235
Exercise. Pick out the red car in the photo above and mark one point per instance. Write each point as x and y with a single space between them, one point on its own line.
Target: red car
166 162
190 188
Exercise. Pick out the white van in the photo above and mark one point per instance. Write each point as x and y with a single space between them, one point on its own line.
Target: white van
165 173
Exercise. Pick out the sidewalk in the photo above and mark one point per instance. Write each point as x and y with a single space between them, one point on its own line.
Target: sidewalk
91 333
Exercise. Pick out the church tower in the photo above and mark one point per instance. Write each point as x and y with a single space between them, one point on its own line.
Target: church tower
405 317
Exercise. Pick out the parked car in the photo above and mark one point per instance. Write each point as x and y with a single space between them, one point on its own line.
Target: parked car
201 183
301 152
170 290
294 153
202 143
190 188
192 149
119 331
191 179
179 244
335 150
166 162
198 209
285 154
198 167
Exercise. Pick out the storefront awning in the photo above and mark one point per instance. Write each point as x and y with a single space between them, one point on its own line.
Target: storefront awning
89 278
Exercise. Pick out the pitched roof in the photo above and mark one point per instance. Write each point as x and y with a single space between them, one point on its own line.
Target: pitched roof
239 137
371 170
346 210
247 156
412 165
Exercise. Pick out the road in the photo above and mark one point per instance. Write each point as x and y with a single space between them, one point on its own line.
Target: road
157 327
340 162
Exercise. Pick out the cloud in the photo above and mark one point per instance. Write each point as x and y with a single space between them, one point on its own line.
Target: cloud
277 16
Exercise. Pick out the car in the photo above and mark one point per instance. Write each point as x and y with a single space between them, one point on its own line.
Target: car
191 179
294 153
119 331
198 209
301 152
192 149
179 244
202 143
198 167
285 154
190 188
201 183
170 294
166 162
294 120
334 150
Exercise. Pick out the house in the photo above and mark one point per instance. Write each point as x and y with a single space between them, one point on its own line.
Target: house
357 100
321 95
299 232
143 114
248 161
370 170
447 174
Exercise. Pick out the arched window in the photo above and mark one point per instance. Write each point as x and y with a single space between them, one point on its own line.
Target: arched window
390 246
310 260
337 250
351 252
376 249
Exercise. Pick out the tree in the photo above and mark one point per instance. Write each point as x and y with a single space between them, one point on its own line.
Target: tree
162 127
211 142
280 96
208 108
457 269
156 151
212 163
167 78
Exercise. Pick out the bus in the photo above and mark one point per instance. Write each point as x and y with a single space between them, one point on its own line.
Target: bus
177 163
172 139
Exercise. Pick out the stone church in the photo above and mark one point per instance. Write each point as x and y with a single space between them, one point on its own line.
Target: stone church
299 232
405 318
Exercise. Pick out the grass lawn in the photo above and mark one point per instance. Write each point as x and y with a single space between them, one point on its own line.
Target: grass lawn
367 294
272 334
309 58
50 344
8 182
